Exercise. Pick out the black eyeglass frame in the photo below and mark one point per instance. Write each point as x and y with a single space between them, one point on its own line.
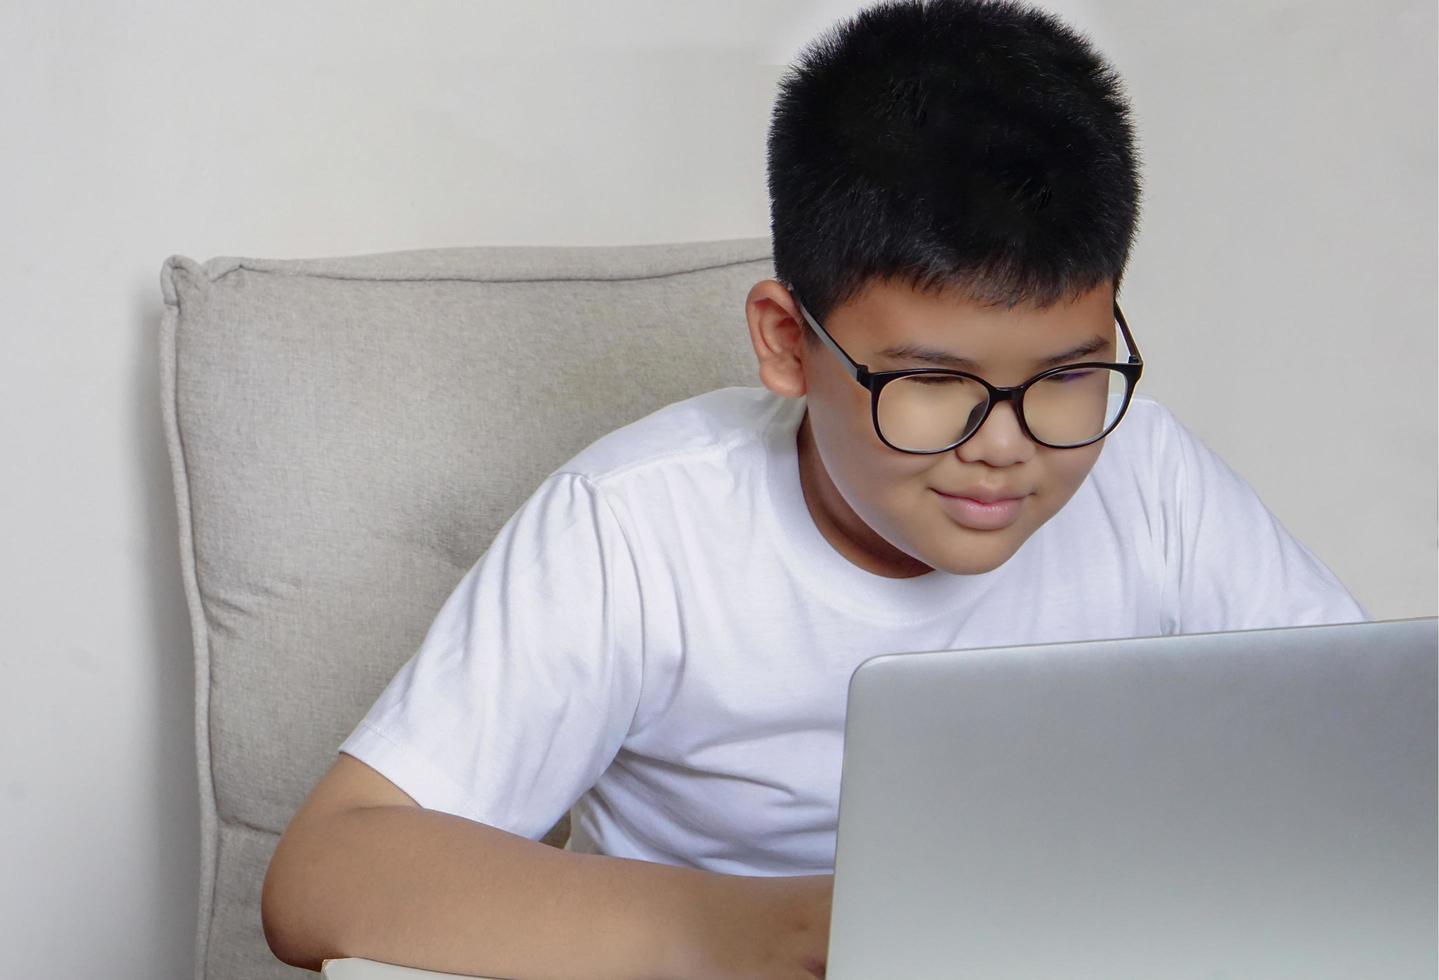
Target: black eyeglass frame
875 382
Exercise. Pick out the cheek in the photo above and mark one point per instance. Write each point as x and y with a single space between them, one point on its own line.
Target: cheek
863 469
1067 469
887 490
835 398
839 418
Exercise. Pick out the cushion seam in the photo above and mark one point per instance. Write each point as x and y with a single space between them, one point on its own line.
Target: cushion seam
241 265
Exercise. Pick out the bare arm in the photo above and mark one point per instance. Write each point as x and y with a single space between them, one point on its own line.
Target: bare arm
362 870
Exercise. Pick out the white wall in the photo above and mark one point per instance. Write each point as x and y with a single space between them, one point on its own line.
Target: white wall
1283 291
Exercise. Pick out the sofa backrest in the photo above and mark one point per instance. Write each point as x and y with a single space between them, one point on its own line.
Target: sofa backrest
346 436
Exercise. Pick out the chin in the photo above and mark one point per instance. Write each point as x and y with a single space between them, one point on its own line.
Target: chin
972 557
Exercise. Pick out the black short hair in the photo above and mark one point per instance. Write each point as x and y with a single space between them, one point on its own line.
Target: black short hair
977 144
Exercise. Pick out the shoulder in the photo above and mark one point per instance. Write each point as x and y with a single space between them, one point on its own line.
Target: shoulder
1146 423
1153 461
708 427
695 456
1149 439
1148 462
1152 440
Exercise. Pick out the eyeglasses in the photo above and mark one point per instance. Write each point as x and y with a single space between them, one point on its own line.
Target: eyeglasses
927 410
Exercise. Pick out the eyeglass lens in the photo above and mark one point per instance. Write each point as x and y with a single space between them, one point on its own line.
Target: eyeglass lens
930 412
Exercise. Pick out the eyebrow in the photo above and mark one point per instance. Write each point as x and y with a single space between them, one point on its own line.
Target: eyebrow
939 358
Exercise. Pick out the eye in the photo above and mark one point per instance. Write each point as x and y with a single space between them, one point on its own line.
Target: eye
1069 377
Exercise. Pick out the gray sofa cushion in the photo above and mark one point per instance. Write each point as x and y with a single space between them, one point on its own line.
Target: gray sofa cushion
346 436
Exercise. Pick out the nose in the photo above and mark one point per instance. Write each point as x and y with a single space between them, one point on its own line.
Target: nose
1000 441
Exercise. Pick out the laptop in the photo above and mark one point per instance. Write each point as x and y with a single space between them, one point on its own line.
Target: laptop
1227 805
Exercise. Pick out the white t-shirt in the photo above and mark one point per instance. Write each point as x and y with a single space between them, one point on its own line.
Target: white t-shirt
662 633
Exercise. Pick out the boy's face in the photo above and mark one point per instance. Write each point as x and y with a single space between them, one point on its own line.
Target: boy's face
899 514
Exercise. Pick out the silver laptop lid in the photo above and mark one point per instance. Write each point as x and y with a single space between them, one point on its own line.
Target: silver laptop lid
1242 805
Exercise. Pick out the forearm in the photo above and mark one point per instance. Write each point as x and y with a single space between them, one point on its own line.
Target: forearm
401 884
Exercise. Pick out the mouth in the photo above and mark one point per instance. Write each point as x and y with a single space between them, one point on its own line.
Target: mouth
982 512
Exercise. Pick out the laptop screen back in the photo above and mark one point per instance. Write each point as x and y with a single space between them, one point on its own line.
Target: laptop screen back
1256 804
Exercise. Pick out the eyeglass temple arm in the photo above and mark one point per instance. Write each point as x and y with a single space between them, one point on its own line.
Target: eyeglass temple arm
1134 356
857 371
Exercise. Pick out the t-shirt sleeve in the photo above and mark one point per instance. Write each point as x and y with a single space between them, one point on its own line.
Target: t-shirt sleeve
527 681
1230 563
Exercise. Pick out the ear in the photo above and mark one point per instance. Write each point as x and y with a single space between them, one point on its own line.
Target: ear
777 331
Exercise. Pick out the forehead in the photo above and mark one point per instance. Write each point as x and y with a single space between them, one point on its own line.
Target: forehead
888 314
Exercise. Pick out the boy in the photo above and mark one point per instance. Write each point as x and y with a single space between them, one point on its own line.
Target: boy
665 631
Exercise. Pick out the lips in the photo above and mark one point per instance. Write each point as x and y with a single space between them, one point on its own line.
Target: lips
981 510
983 496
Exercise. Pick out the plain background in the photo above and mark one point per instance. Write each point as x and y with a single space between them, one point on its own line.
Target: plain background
1282 289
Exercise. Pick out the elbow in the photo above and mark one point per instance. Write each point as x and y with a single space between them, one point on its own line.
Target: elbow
282 918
